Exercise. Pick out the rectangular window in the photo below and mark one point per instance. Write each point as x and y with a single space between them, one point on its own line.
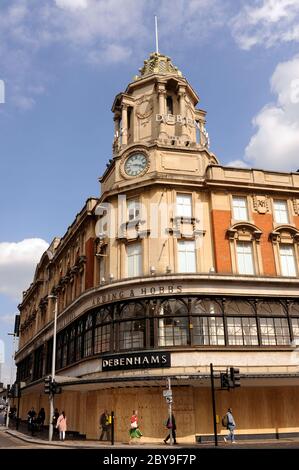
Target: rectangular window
133 208
245 258
240 211
184 205
274 331
295 325
242 331
208 331
134 254
186 256
281 212
287 260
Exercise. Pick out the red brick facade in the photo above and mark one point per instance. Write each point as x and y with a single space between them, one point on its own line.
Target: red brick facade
265 223
220 223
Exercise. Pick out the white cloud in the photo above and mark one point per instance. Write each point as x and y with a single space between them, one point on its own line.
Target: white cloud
275 144
114 53
72 4
237 164
266 22
94 31
17 265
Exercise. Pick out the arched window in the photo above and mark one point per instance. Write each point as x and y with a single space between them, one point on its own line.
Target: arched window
169 105
64 346
71 356
244 240
79 338
132 329
207 322
238 307
273 323
173 323
103 331
285 241
58 351
87 349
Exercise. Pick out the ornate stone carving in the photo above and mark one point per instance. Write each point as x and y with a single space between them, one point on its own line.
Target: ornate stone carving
296 206
261 204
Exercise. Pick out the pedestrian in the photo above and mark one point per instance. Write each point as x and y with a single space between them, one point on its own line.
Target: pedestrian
61 426
105 423
54 420
134 432
31 417
41 418
229 421
171 426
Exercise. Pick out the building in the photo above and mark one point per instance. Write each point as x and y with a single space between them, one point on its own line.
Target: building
181 262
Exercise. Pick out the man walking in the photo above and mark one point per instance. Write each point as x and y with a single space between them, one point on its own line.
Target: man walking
231 425
105 423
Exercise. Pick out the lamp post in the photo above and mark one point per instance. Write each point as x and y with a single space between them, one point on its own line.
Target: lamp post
51 396
11 375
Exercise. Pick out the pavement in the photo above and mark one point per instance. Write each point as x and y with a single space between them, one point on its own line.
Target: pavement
15 438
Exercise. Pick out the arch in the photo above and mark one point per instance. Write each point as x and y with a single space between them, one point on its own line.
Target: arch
206 306
173 307
238 307
285 233
271 308
244 231
132 310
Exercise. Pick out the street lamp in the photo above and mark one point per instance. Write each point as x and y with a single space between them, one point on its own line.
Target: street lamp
11 375
51 396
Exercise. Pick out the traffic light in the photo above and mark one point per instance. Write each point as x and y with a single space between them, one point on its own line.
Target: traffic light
54 388
9 391
48 382
224 379
235 377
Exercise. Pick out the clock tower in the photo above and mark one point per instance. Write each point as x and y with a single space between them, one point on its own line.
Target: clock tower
157 128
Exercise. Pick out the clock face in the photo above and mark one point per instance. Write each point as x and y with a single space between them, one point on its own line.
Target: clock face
135 164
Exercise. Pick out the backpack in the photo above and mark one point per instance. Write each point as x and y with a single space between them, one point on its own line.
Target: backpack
224 421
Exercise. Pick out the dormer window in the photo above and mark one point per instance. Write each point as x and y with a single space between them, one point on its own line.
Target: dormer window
169 105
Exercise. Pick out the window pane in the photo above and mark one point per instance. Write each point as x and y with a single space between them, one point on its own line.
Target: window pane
242 331
287 259
208 331
240 208
186 257
245 258
274 331
131 334
134 260
295 325
281 212
184 205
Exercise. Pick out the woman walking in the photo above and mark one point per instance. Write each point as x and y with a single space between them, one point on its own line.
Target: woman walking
134 432
61 426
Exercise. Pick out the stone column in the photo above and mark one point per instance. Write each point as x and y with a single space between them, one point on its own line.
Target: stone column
162 109
124 124
182 109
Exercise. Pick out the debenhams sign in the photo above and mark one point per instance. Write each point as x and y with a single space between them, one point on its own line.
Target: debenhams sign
136 361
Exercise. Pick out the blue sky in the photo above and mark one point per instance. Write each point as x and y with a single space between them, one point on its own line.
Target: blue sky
62 63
